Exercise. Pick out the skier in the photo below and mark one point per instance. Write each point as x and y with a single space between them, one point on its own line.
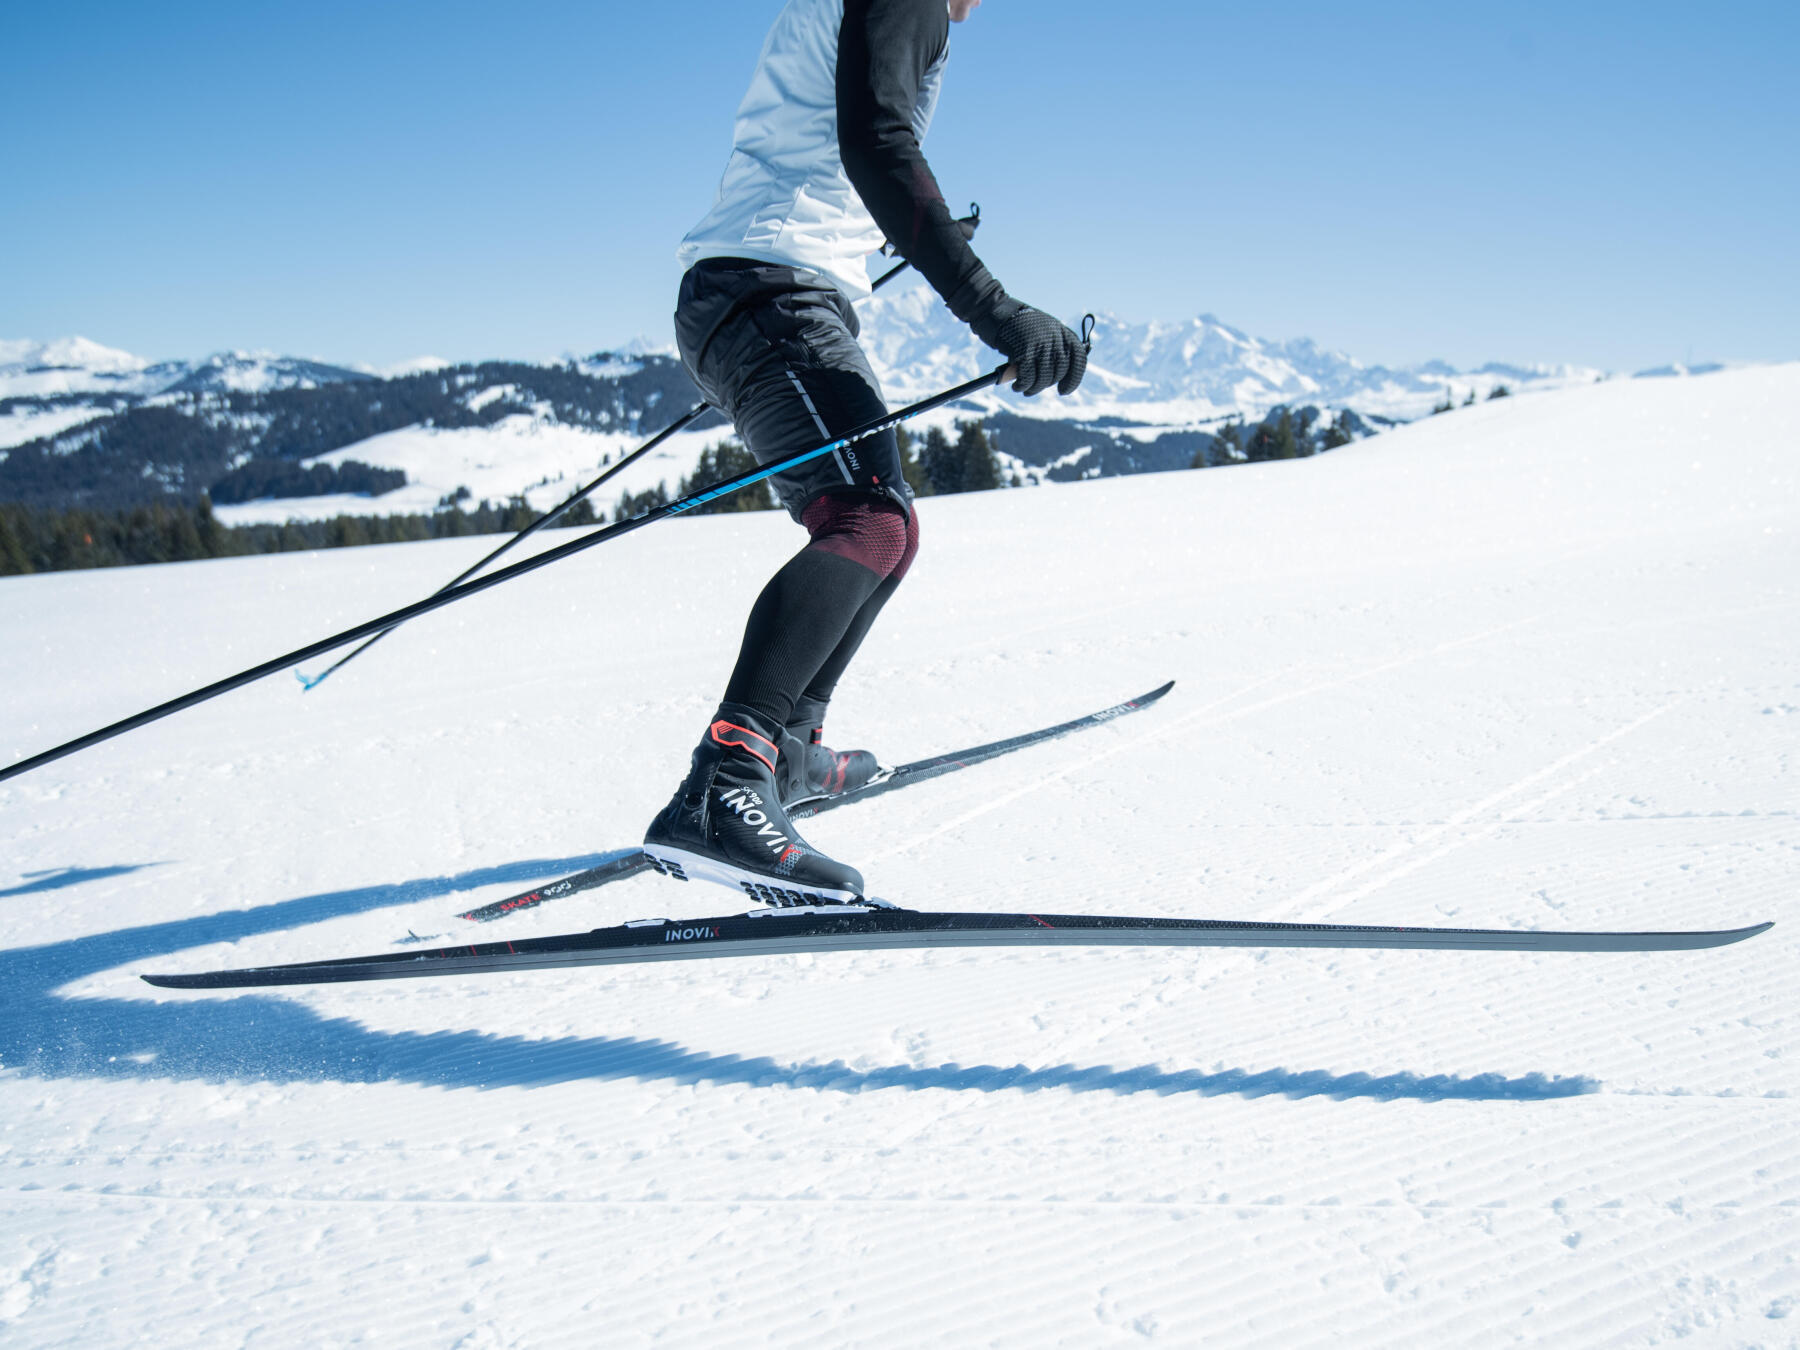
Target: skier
825 163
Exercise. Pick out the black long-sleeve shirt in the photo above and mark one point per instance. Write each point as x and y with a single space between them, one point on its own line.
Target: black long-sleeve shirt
885 48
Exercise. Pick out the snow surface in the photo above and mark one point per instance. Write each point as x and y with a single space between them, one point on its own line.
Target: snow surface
1531 663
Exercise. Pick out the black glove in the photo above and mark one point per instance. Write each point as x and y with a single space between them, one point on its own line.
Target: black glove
1043 350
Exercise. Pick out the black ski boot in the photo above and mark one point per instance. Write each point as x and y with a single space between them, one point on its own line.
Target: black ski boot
809 769
726 823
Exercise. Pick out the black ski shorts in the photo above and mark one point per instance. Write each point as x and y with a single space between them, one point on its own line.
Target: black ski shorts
775 350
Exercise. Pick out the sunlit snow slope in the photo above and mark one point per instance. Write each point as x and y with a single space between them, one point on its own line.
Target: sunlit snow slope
1534 662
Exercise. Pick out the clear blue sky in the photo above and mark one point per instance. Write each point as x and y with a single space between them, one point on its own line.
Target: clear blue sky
1609 183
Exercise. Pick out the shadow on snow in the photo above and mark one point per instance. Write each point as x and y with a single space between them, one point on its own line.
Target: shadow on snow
257 1037
55 878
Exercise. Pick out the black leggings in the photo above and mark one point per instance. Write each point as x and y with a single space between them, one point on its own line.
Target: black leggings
815 612
776 351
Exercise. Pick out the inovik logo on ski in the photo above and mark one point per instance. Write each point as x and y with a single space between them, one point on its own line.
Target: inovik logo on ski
689 934
747 803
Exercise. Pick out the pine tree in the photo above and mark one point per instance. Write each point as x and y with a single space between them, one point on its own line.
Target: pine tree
183 535
215 540
636 503
980 467
1286 444
1338 433
1227 445
1303 434
1499 391
916 477
938 459
1274 439
348 532
582 513
724 460
13 558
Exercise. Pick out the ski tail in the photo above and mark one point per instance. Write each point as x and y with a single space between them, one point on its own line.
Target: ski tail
614 869
938 765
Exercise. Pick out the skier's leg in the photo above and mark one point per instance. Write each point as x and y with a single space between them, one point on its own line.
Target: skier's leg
883 538
810 706
803 615
727 822
778 354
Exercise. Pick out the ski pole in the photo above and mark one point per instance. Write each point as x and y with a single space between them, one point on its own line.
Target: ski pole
680 424
968 224
600 536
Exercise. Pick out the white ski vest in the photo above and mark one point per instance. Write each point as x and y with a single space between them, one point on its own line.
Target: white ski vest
784 196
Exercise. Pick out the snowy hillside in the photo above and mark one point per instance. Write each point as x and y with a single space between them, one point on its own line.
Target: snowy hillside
1534 664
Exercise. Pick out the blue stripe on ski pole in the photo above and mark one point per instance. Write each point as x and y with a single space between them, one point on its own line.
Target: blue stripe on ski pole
736 485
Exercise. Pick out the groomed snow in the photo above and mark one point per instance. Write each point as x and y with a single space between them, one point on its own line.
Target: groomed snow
1534 663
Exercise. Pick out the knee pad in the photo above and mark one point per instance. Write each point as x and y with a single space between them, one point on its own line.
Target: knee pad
872 531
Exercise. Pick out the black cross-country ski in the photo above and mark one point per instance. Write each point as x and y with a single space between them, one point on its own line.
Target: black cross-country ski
850 928
617 869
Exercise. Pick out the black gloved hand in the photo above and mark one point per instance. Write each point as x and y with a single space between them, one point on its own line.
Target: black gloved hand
1043 350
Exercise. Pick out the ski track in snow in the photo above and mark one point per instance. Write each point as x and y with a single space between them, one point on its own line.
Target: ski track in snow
1530 663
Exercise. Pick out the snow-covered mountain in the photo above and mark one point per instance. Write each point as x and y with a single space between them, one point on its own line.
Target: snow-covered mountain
1181 373
1160 372
85 423
77 365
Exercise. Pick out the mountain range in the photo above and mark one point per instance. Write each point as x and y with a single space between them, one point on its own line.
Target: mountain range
85 424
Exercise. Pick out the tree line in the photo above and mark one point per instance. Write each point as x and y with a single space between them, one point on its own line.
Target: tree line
937 463
36 540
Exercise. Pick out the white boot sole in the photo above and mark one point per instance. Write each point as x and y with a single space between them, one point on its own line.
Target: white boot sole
685 866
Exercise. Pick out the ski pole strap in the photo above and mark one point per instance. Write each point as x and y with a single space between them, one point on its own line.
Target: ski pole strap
967 224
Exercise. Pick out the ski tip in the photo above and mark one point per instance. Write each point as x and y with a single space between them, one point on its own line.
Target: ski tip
306 683
1724 937
171 981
